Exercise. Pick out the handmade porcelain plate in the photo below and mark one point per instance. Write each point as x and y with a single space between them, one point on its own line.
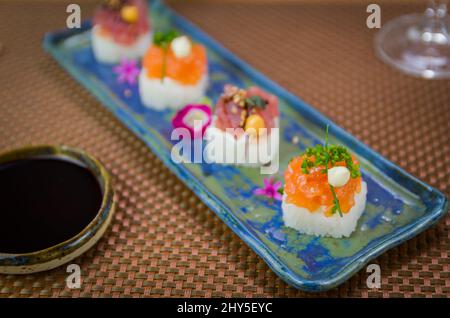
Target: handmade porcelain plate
399 206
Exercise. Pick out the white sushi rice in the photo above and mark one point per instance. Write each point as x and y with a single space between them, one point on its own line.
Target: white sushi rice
106 50
225 148
167 93
316 223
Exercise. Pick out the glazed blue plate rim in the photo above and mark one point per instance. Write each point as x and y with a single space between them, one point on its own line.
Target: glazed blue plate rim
431 216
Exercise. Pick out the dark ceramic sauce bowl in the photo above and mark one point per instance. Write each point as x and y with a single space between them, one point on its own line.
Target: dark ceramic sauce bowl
57 202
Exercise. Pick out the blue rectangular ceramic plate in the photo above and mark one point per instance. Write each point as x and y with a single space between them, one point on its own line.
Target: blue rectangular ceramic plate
399 206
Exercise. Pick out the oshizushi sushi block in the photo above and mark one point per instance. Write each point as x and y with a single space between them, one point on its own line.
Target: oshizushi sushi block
174 72
324 193
121 29
244 128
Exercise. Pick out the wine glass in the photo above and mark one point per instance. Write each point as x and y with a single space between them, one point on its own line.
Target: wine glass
418 44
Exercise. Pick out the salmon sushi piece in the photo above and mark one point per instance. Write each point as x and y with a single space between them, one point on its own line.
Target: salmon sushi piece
324 193
174 72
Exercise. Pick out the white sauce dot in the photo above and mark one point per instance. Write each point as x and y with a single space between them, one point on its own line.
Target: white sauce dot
181 46
338 176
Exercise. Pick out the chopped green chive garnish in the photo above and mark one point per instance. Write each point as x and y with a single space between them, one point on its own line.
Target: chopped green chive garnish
324 155
163 39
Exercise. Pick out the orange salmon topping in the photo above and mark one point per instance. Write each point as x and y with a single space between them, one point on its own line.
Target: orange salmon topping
312 190
187 70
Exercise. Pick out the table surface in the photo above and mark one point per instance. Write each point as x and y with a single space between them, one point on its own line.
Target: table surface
163 240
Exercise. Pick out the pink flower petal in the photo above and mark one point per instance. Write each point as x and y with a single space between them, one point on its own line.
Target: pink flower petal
127 71
267 182
270 189
260 191
277 196
277 185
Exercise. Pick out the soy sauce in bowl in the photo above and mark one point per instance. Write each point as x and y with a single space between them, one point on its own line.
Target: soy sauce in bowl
56 202
43 202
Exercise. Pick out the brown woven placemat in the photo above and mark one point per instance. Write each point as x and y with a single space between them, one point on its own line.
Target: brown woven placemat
163 240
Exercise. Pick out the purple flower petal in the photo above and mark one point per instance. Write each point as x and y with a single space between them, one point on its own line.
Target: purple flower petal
127 71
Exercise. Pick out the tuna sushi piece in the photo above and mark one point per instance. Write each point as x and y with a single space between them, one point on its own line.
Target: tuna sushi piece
121 29
244 128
